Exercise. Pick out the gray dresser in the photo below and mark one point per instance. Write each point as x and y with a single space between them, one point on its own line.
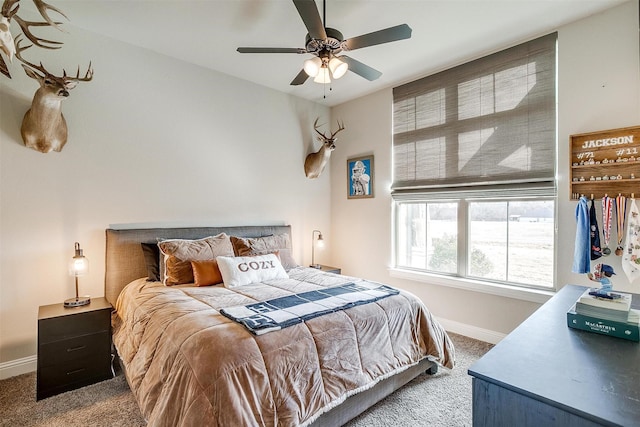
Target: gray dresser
547 374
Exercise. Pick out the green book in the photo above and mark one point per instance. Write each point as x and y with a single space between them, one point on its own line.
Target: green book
625 330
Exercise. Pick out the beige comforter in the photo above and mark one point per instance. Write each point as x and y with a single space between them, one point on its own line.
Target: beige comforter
190 366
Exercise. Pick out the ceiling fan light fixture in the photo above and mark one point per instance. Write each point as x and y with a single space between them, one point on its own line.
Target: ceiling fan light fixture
337 67
312 66
324 42
323 76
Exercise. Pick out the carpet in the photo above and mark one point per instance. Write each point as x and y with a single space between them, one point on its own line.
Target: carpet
443 400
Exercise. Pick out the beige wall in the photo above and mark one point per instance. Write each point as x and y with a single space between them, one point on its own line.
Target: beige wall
152 141
599 88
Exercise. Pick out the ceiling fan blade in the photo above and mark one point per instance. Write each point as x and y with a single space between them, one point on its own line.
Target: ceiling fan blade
391 34
360 69
300 78
311 17
271 50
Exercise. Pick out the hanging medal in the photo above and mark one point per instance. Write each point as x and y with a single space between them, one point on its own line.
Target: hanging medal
631 256
621 218
607 208
596 250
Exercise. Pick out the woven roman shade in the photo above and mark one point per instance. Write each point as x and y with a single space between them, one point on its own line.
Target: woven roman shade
489 122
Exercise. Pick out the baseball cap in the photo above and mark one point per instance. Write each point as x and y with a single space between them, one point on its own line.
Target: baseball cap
607 269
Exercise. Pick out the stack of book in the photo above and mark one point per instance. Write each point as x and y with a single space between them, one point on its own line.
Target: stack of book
610 315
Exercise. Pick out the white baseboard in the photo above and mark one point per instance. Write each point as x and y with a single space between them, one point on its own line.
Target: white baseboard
16 367
471 331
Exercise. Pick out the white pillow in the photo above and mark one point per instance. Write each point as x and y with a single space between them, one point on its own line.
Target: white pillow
243 270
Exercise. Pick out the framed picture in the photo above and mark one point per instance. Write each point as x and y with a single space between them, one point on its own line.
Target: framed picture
360 177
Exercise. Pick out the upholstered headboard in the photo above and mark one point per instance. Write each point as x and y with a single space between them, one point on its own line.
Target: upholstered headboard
125 259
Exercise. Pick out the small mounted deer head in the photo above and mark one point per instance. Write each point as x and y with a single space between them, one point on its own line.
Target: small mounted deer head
315 162
44 128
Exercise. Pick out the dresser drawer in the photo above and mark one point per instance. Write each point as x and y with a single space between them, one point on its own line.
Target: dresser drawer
86 346
64 327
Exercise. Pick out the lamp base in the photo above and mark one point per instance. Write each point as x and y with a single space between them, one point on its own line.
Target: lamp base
318 266
77 302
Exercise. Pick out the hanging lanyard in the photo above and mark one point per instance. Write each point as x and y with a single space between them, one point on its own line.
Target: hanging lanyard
607 208
621 217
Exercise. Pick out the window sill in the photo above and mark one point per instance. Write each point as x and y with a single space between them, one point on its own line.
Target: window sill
532 295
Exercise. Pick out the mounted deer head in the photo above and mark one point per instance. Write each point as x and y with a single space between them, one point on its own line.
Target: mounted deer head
44 128
9 11
315 162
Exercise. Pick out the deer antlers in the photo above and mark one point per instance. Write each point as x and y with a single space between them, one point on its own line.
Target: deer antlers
19 49
324 137
42 8
9 10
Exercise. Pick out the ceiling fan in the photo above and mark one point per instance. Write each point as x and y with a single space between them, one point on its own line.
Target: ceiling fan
326 43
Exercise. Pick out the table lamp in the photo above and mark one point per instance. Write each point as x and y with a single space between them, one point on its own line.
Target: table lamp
313 247
79 266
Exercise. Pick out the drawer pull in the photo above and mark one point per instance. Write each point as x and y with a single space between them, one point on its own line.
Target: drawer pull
76 371
69 350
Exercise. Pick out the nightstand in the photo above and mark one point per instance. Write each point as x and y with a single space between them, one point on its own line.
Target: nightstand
74 346
329 269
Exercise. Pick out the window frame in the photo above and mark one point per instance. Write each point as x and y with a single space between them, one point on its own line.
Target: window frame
463 238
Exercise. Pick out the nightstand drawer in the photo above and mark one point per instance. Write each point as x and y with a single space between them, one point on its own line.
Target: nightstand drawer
63 327
86 346
72 374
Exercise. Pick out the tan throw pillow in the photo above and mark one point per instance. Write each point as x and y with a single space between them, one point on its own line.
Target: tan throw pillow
240 271
206 273
266 245
178 254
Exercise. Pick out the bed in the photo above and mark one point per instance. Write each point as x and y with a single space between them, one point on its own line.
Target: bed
188 364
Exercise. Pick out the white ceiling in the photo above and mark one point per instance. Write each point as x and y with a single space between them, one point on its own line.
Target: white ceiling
207 33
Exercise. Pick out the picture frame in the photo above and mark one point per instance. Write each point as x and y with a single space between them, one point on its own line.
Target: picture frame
360 181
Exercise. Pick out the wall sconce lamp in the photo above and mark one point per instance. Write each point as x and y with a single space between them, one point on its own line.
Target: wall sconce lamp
79 266
313 247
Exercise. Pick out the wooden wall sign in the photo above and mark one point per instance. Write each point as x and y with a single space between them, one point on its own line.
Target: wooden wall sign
606 163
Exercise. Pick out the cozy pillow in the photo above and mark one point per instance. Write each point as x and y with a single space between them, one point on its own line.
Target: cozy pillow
265 245
178 254
206 273
152 261
239 271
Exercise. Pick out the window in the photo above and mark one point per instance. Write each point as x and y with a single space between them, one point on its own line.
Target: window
474 159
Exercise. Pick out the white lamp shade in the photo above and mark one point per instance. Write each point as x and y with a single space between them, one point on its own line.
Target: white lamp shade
312 66
337 67
323 76
79 266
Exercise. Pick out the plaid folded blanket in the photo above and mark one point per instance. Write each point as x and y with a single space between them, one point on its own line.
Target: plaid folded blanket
272 315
